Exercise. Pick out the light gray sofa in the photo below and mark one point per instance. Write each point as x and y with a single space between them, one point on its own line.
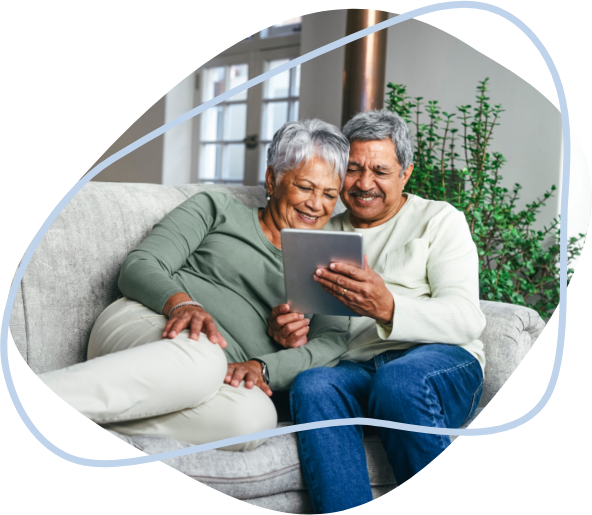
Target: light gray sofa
73 277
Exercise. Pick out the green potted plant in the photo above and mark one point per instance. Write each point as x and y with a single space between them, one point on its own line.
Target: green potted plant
518 264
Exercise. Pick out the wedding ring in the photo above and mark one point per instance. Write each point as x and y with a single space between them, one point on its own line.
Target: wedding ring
343 292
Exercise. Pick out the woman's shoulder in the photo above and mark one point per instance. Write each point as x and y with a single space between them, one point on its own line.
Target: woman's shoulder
216 202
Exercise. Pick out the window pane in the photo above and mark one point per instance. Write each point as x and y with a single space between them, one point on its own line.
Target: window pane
274 116
296 81
291 21
238 74
213 83
211 161
235 122
278 86
212 123
234 162
294 110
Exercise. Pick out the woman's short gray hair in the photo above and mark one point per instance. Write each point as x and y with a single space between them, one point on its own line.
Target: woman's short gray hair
383 124
298 141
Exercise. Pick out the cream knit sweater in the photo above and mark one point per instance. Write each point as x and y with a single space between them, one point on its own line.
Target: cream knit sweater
427 258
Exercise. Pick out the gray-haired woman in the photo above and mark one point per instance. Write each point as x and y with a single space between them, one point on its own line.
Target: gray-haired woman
186 353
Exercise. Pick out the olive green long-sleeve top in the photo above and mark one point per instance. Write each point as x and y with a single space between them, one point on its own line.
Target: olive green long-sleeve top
212 247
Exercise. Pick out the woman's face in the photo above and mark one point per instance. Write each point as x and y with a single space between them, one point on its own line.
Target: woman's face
305 197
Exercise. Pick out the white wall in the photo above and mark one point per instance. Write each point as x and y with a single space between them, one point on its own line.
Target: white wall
321 80
143 164
580 191
176 161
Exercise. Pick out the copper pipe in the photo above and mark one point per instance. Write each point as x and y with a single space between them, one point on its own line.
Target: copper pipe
363 73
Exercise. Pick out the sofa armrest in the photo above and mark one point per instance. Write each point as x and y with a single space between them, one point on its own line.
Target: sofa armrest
509 334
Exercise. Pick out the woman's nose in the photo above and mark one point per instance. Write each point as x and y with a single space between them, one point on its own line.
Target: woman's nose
314 203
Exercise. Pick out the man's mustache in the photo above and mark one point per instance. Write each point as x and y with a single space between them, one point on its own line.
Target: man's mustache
355 192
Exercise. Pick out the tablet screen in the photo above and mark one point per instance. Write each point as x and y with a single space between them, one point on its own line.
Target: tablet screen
303 252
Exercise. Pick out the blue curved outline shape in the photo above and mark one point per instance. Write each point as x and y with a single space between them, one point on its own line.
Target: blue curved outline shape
328 423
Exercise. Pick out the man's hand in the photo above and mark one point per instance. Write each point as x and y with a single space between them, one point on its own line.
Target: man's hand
287 329
248 371
362 291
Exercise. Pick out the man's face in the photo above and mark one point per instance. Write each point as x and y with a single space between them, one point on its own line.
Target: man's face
373 187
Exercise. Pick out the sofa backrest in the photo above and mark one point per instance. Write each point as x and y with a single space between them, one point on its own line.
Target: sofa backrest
73 274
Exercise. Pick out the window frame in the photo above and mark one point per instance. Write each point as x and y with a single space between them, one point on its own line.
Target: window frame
254 52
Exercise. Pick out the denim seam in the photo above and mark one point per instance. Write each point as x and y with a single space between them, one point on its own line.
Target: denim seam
462 365
433 413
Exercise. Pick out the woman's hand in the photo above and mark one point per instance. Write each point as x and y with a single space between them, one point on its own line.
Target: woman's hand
287 329
194 318
250 372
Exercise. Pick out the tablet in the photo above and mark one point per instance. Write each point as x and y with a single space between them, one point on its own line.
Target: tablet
303 252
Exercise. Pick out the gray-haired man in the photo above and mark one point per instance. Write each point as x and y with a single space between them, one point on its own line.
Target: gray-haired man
414 354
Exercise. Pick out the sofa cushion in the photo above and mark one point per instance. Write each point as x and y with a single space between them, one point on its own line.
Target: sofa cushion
509 334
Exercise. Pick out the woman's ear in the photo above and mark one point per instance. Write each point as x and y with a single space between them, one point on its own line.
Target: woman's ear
269 180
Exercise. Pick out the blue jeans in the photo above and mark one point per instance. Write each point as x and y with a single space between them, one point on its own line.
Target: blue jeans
430 385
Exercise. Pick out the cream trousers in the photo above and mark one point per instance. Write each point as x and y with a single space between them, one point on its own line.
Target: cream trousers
135 382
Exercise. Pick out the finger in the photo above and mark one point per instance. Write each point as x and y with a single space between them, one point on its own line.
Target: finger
238 376
338 296
229 373
195 328
211 331
167 327
366 265
283 320
294 326
331 286
265 389
296 336
179 324
339 279
279 310
353 272
250 380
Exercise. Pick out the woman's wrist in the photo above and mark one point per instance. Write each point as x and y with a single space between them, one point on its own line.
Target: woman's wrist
173 300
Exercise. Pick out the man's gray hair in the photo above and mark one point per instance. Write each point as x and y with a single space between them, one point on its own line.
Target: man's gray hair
383 124
298 141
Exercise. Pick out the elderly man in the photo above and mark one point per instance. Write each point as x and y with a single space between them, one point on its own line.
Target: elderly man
414 354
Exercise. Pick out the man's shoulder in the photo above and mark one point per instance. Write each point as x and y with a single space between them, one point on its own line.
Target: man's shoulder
434 211
335 223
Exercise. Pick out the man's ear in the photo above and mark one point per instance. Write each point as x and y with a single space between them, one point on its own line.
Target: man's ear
407 173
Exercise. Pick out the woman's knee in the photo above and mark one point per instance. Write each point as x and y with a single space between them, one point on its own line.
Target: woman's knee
253 413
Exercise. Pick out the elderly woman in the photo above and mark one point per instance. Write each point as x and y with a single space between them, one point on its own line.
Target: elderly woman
186 353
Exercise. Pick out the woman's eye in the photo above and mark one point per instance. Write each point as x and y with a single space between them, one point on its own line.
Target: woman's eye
305 189
329 196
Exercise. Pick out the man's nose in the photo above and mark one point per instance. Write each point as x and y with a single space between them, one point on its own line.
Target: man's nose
366 181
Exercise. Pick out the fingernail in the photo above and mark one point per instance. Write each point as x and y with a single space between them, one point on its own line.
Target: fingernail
319 272
332 266
164 335
301 315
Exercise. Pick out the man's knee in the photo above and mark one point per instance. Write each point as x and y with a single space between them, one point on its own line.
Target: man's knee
397 391
312 382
